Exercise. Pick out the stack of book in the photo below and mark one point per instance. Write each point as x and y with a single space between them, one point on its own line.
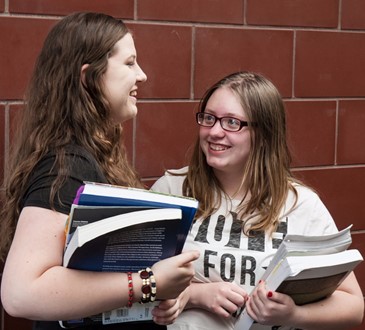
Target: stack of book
308 268
120 229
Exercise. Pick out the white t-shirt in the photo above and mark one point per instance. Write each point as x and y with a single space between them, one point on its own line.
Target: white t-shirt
226 254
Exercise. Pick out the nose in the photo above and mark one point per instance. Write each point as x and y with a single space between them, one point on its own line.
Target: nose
141 76
216 129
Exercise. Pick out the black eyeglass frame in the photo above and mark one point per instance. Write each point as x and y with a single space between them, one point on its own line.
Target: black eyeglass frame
242 122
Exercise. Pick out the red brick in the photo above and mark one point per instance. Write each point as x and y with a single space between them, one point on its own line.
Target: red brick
21 40
15 113
219 52
311 132
164 53
117 8
308 13
358 242
351 133
329 64
353 14
2 142
165 130
2 5
213 11
342 191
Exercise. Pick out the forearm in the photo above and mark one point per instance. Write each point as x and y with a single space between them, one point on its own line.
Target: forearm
340 311
61 293
194 295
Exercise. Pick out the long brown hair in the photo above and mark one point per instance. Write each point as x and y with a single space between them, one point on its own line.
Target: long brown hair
61 109
266 174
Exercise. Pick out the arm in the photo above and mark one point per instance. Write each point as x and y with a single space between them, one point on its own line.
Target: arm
36 286
342 310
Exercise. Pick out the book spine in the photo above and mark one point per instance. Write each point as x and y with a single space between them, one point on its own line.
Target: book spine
78 194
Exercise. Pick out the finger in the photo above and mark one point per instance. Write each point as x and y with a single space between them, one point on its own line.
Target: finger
237 289
229 307
164 313
255 303
238 299
276 297
186 257
166 304
262 292
165 320
250 310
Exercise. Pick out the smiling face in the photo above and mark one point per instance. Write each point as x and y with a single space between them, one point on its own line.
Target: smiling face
121 78
226 152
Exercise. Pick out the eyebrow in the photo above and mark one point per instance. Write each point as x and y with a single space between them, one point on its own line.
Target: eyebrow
232 115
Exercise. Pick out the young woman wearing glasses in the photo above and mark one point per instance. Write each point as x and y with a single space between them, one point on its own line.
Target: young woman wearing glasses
249 200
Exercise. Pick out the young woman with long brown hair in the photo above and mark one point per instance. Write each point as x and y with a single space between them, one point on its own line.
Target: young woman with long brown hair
83 89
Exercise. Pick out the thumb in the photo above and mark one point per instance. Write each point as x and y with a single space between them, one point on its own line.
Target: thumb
187 257
166 304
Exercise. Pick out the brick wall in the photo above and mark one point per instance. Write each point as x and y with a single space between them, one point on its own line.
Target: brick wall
314 52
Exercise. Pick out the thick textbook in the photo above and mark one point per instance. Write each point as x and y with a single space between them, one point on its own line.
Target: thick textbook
125 242
308 268
113 228
98 194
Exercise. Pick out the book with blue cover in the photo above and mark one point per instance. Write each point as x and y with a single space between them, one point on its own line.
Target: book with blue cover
99 194
120 229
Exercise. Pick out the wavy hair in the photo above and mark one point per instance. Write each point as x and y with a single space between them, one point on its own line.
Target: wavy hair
267 173
60 108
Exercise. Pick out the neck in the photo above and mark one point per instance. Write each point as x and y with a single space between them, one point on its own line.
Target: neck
231 184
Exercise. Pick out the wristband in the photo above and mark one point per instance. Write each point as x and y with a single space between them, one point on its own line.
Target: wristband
130 290
149 288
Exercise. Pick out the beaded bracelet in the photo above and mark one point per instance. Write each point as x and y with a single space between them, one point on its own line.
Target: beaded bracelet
153 285
149 288
130 290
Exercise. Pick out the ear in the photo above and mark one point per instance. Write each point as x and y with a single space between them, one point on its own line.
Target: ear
83 72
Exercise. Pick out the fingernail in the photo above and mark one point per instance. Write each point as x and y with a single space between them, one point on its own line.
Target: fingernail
269 294
260 281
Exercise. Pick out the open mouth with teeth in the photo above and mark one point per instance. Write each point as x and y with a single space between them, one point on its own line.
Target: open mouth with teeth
218 147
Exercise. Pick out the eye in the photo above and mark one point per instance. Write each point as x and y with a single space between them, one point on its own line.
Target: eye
130 64
209 119
233 123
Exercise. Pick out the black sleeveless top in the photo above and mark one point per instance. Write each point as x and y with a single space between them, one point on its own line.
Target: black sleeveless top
83 167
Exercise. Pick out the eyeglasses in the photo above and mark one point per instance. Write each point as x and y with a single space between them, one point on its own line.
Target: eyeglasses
229 124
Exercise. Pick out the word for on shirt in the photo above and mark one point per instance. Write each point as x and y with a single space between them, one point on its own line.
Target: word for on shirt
228 262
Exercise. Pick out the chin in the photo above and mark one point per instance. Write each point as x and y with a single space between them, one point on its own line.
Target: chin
133 111
129 114
217 166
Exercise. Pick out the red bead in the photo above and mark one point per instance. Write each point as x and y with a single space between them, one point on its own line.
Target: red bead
146 289
144 274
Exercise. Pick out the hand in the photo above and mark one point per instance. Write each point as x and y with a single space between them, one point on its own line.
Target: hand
269 307
174 274
168 310
220 298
